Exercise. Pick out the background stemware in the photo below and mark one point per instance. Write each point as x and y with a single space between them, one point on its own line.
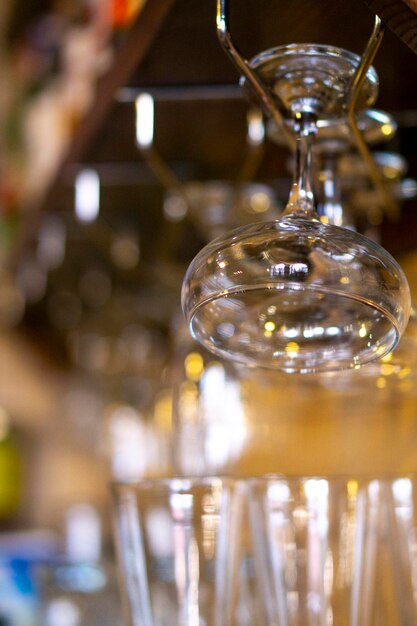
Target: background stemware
178 550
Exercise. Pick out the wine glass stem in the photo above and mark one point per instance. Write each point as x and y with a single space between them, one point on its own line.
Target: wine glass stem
330 208
301 199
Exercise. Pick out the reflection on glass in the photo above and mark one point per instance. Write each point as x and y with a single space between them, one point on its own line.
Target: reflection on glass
178 546
136 446
319 551
210 428
217 206
51 243
297 274
87 195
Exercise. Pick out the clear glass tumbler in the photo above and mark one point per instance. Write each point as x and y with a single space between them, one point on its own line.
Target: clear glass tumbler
321 552
178 549
400 497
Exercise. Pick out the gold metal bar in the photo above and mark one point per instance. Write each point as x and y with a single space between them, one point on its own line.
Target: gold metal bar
271 105
390 204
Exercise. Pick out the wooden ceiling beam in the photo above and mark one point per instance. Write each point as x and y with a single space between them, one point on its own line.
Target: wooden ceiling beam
127 58
400 16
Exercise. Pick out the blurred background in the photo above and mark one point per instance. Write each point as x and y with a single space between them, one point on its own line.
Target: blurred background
99 378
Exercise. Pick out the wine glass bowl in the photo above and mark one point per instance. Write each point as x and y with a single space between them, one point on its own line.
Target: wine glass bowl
313 78
294 294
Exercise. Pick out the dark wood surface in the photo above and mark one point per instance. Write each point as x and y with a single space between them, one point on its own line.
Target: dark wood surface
128 56
400 16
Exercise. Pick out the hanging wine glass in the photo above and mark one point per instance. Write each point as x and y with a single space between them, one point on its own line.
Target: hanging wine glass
216 206
297 295
335 136
333 179
361 194
335 158
213 206
333 144
393 375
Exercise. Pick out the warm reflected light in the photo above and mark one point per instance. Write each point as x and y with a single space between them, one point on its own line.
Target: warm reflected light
352 488
292 348
381 382
390 172
362 331
256 129
87 195
270 326
260 202
404 372
387 129
163 409
194 366
386 369
144 105
188 402
210 522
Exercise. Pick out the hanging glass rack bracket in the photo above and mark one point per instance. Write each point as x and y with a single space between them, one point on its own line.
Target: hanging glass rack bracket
182 93
274 108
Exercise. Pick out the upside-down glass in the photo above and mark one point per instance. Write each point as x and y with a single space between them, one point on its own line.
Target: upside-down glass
362 197
375 125
400 495
297 295
334 146
178 546
321 553
216 207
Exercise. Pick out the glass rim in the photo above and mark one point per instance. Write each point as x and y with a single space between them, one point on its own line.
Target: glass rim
312 49
174 482
343 477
